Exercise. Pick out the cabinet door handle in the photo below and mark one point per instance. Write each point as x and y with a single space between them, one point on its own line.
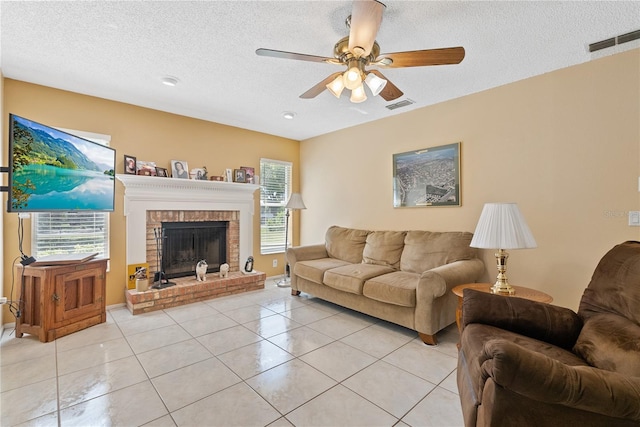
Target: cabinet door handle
55 297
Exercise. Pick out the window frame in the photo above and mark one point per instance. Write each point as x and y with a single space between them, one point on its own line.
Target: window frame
274 244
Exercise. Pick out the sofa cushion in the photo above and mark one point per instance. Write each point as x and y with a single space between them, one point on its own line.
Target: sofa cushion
346 244
398 288
424 250
350 278
313 270
611 342
384 248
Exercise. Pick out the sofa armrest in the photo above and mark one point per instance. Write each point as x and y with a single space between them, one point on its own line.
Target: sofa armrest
539 377
440 280
549 323
304 253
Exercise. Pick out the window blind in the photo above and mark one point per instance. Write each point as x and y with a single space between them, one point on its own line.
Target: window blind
68 233
275 188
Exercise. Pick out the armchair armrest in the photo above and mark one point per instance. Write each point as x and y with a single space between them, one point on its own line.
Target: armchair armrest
544 379
549 323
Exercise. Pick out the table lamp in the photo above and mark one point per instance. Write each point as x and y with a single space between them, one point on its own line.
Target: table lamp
295 203
501 226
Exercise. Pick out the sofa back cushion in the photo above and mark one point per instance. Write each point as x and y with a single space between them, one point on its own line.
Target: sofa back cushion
610 342
424 250
346 244
384 248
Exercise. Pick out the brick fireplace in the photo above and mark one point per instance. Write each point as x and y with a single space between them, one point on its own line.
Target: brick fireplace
150 201
156 219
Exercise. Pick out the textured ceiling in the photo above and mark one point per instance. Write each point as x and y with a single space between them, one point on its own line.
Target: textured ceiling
121 50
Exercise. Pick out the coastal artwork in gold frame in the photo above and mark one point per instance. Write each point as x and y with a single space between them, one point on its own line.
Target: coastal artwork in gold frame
427 177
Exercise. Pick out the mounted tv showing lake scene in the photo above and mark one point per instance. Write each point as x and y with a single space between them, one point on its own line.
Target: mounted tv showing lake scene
53 171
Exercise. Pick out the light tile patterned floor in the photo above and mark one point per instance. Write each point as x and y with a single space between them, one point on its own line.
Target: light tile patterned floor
256 359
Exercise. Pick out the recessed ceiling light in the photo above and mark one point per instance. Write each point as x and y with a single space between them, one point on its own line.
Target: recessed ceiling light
169 81
288 115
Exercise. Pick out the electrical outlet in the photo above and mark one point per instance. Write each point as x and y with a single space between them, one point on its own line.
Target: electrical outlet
275 263
3 300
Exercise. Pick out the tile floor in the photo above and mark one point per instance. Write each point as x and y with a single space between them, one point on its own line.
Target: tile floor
262 358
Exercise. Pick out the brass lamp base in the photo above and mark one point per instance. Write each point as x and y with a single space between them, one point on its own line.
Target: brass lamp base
502 286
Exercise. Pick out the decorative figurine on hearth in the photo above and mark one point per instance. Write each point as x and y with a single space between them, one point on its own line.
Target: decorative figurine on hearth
201 271
224 270
248 266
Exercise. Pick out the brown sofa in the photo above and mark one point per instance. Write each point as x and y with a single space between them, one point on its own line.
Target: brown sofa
523 363
404 277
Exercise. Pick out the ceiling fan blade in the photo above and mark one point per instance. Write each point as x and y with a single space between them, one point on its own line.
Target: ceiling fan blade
317 89
291 55
420 58
390 91
366 17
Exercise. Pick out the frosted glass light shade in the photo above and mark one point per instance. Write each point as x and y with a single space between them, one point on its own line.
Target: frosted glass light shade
295 202
336 86
375 83
352 78
358 95
502 226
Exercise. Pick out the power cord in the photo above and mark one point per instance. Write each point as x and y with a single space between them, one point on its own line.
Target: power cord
25 259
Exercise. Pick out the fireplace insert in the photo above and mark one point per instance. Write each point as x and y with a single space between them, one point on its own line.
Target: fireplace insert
186 243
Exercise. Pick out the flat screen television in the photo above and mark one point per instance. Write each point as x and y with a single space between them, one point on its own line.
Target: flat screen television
54 171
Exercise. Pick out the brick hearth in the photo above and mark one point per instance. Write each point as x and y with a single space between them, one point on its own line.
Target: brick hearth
188 290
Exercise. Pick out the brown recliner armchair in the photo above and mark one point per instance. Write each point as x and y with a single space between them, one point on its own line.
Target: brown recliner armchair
524 363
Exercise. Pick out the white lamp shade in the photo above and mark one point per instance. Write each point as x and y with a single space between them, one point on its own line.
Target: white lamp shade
336 86
295 202
352 78
375 83
358 95
502 226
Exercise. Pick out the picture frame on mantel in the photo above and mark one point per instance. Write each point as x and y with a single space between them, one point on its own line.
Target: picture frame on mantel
130 165
427 177
239 175
179 169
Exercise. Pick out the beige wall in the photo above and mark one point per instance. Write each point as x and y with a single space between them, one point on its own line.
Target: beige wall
149 135
565 146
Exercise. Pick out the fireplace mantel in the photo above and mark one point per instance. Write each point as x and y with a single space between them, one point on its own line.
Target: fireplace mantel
149 193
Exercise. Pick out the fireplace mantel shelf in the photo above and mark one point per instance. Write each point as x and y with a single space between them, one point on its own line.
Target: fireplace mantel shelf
136 183
150 193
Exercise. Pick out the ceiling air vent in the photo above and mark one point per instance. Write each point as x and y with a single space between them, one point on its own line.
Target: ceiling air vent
623 38
634 35
400 104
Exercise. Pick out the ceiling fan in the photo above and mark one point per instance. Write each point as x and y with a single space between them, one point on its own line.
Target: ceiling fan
360 50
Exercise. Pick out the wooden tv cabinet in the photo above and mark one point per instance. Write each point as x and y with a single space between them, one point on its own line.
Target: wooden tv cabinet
58 300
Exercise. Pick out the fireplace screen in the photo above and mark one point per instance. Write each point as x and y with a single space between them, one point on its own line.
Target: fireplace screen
186 243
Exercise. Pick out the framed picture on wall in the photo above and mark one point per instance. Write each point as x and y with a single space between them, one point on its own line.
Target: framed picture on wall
427 177
129 165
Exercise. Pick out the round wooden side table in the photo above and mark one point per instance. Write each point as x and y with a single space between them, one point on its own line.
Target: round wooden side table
521 292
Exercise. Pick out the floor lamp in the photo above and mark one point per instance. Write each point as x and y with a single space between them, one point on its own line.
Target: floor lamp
295 203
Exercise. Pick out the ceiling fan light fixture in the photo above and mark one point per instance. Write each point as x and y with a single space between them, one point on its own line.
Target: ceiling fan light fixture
352 78
375 83
336 86
358 94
